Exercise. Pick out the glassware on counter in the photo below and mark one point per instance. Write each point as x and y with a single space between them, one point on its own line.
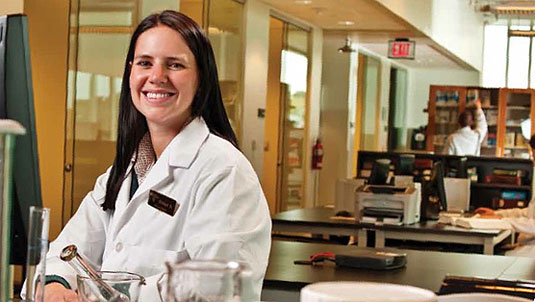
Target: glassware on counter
208 281
99 286
36 255
128 285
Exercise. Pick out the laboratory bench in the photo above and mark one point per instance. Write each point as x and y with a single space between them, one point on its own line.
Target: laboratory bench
424 269
322 220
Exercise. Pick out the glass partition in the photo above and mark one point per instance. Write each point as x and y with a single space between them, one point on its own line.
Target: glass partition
225 30
99 37
293 81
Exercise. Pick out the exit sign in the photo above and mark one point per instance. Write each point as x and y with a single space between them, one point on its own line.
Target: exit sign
401 49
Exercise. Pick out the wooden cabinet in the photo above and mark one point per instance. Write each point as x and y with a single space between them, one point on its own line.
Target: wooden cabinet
516 107
506 110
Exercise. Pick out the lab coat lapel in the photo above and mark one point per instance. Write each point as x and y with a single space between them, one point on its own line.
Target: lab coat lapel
180 153
187 144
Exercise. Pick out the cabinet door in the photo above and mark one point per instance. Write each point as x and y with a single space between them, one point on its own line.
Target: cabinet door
489 103
445 104
516 115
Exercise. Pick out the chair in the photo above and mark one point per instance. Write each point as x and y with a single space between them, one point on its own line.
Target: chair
480 297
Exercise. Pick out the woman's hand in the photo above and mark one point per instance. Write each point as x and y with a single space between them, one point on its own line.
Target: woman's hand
487 213
477 103
55 292
484 211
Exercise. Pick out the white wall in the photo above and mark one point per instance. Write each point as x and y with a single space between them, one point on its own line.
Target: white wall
384 105
337 112
256 42
419 80
453 24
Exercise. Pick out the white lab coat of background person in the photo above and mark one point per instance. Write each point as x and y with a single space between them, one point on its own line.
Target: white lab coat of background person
467 141
223 214
522 221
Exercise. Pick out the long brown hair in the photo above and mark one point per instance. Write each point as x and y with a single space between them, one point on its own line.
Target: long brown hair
207 102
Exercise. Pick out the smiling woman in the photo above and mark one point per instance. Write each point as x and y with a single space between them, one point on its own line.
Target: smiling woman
174 142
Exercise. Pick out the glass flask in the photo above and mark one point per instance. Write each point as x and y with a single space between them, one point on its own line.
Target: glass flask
127 284
208 281
101 286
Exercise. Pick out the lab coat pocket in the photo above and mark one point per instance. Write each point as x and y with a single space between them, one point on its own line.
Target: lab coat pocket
151 261
218 246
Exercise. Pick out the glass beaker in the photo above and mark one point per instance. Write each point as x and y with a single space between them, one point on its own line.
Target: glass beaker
126 283
207 281
36 255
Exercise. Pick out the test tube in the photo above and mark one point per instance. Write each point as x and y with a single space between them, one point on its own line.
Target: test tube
36 255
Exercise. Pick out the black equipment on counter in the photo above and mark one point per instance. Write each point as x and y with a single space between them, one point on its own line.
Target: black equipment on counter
361 258
459 284
433 194
418 138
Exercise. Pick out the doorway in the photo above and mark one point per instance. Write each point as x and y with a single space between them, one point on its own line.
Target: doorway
283 173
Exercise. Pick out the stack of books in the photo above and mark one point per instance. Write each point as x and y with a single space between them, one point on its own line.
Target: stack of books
505 176
473 222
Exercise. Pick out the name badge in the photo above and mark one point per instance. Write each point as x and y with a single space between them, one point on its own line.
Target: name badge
163 203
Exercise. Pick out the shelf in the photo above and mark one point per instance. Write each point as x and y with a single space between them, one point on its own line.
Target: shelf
447 107
500 105
518 108
500 186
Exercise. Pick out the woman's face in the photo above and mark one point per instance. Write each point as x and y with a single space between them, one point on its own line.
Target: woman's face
164 78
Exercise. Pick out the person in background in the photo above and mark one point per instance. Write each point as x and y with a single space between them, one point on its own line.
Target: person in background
179 188
466 140
522 220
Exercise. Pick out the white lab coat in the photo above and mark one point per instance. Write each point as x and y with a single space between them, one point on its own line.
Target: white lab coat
466 141
523 221
223 214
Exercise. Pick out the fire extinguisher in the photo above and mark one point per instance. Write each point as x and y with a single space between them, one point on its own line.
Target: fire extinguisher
317 155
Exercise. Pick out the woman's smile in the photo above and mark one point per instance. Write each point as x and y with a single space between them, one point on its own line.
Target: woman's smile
158 96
